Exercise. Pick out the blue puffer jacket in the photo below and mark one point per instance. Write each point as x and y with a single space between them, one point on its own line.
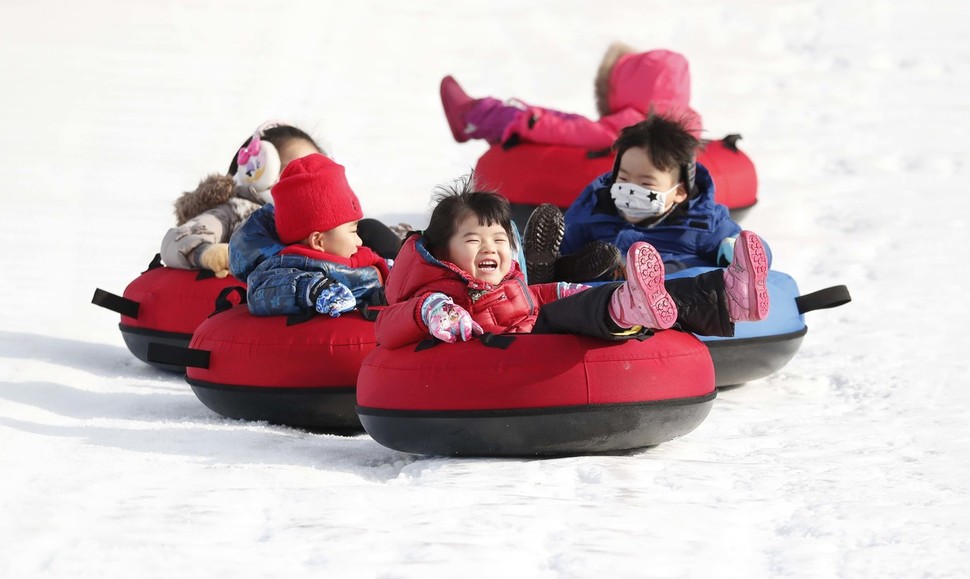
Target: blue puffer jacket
254 242
685 239
280 284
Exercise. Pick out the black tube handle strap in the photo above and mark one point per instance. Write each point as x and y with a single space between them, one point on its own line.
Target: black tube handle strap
499 341
488 339
117 304
177 355
155 263
426 344
369 312
222 300
830 297
731 142
304 316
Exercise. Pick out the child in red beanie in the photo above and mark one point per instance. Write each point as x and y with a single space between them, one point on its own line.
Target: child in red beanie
324 266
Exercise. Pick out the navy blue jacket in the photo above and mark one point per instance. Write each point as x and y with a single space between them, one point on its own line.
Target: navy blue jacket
688 237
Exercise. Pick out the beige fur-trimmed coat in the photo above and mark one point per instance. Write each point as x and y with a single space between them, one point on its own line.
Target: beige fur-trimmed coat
205 216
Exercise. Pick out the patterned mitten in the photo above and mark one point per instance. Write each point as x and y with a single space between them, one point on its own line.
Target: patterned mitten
446 321
334 300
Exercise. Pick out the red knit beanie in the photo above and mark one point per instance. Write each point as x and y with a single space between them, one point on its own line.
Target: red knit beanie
312 195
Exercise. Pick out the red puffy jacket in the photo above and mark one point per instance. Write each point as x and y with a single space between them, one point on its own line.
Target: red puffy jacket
509 307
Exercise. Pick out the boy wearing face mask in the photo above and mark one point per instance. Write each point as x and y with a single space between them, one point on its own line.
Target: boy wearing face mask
656 193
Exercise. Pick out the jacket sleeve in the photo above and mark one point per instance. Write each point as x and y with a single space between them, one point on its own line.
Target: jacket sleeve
254 242
274 290
577 232
724 227
544 293
182 245
550 127
400 324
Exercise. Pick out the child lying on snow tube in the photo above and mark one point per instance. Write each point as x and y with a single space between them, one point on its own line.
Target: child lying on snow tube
208 216
629 86
458 279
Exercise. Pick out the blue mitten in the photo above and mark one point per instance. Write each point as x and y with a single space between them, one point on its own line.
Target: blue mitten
334 300
725 251
446 321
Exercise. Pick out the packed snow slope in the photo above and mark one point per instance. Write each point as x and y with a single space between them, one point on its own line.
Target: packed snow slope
852 461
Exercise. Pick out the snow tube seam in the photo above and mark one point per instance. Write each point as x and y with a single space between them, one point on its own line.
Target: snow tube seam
253 388
532 411
651 356
734 342
153 333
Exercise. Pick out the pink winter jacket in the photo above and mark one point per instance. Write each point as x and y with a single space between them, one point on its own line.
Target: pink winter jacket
629 86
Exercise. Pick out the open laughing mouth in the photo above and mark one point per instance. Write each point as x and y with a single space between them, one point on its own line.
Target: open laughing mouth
487 265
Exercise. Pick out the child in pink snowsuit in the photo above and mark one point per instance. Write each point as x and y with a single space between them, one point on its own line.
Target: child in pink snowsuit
629 86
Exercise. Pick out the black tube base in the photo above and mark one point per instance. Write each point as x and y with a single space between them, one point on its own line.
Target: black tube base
743 360
325 410
137 340
536 432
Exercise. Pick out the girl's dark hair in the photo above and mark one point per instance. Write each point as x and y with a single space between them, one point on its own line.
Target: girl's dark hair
668 144
460 199
279 135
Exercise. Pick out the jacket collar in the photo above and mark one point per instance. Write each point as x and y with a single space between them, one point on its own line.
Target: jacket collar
473 283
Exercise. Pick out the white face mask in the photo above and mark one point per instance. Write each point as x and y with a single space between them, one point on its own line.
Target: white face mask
637 202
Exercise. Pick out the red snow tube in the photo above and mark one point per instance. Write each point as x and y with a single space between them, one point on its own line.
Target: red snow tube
529 174
296 371
164 305
540 395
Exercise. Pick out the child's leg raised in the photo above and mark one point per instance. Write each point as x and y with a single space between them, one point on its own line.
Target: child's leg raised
616 311
468 118
710 303
643 300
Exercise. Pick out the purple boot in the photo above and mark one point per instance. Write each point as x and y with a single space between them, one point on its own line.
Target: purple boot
470 118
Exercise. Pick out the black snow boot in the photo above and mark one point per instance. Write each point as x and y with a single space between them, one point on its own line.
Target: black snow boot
596 261
543 235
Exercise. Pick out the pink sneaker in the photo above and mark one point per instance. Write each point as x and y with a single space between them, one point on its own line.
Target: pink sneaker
745 280
456 103
643 300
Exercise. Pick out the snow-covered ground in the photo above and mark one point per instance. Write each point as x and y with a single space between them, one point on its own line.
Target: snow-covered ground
852 461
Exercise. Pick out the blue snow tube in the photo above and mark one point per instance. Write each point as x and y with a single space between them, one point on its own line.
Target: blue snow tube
759 349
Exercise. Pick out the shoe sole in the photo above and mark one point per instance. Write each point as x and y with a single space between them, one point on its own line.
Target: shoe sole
648 277
757 260
541 265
